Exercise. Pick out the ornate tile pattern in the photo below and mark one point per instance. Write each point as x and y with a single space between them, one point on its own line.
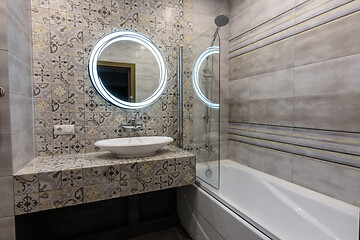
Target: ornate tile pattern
26 203
26 184
63 33
49 181
72 178
72 196
50 199
93 193
65 180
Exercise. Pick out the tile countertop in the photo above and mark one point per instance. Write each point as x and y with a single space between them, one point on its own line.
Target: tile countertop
65 180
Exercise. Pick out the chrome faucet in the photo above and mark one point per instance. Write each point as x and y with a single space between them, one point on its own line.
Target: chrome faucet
208 148
132 124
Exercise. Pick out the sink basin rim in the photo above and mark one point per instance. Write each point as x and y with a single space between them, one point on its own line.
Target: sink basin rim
114 142
134 146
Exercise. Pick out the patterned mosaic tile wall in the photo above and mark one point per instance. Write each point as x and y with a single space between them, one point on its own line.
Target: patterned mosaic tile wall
63 33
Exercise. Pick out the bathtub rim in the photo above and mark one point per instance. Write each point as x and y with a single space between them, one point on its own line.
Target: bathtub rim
316 196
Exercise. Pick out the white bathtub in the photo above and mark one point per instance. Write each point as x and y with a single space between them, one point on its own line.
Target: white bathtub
252 205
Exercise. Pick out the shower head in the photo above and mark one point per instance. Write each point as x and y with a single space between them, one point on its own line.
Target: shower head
221 20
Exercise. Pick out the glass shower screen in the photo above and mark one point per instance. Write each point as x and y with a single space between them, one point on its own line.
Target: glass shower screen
201 105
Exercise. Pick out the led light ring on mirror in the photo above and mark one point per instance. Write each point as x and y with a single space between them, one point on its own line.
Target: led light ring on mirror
195 76
125 35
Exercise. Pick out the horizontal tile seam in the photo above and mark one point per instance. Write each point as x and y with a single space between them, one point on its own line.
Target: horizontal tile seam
269 129
310 18
294 127
28 32
326 60
21 60
289 36
295 15
292 144
261 24
295 67
302 156
298 135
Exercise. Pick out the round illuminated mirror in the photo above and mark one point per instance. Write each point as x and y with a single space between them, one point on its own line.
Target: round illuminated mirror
127 69
204 75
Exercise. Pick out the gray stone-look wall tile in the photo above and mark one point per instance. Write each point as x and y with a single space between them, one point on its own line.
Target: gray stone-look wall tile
273 8
204 23
6 200
239 67
240 16
21 112
336 112
275 57
238 100
3 29
338 39
236 6
5 126
4 72
278 164
275 163
208 7
257 159
248 14
21 10
239 111
298 2
340 75
6 155
7 226
239 152
23 145
278 84
309 80
17 36
272 111
337 181
19 76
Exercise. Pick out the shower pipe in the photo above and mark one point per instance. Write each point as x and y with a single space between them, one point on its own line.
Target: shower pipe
180 96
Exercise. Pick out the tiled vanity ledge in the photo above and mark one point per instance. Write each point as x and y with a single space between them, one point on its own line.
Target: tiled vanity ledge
66 180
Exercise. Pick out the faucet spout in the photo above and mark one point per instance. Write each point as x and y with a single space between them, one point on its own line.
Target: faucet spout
132 125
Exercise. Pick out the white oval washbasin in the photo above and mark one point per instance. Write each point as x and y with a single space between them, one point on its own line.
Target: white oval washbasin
134 146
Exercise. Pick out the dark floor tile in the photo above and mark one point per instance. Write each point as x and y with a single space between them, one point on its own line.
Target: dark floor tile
174 233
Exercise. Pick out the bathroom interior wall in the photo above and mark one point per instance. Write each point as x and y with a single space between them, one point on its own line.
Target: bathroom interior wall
16 108
55 39
294 94
63 35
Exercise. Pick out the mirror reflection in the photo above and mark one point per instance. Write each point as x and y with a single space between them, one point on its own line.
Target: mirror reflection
129 71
